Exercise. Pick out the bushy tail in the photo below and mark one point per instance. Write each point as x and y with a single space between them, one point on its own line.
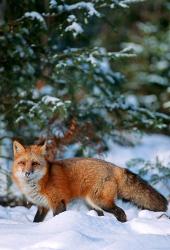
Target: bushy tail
137 190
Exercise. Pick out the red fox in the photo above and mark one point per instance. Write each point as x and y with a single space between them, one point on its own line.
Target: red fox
51 186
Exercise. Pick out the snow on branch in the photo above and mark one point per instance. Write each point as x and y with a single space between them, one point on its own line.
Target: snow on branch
47 106
125 3
75 28
34 15
92 56
52 4
88 6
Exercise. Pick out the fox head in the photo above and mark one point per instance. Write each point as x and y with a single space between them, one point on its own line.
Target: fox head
29 162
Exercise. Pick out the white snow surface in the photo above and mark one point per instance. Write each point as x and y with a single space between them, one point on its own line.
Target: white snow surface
80 229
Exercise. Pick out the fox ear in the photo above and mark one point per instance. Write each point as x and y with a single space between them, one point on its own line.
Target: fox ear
18 148
43 148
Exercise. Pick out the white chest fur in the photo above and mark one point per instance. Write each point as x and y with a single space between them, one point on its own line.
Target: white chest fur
32 191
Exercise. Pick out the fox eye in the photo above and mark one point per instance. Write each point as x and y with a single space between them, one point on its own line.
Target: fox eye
21 162
35 163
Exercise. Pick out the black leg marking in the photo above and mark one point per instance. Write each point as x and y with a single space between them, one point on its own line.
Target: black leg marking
118 212
98 211
40 214
60 208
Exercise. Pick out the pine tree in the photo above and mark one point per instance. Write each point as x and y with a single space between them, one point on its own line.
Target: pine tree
58 81
149 74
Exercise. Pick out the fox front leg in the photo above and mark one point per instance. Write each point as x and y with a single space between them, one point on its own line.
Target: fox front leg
40 214
61 207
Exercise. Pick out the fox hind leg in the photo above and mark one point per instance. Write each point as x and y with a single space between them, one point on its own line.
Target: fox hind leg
100 206
61 207
40 214
103 199
94 207
116 211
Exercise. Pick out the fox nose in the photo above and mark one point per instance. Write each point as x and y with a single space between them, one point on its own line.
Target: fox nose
27 174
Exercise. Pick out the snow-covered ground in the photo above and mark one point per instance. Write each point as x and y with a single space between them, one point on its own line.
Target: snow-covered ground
80 229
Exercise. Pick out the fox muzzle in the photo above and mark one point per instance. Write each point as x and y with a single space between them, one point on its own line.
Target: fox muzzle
27 174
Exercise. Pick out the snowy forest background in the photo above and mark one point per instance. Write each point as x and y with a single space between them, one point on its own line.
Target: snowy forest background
80 74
